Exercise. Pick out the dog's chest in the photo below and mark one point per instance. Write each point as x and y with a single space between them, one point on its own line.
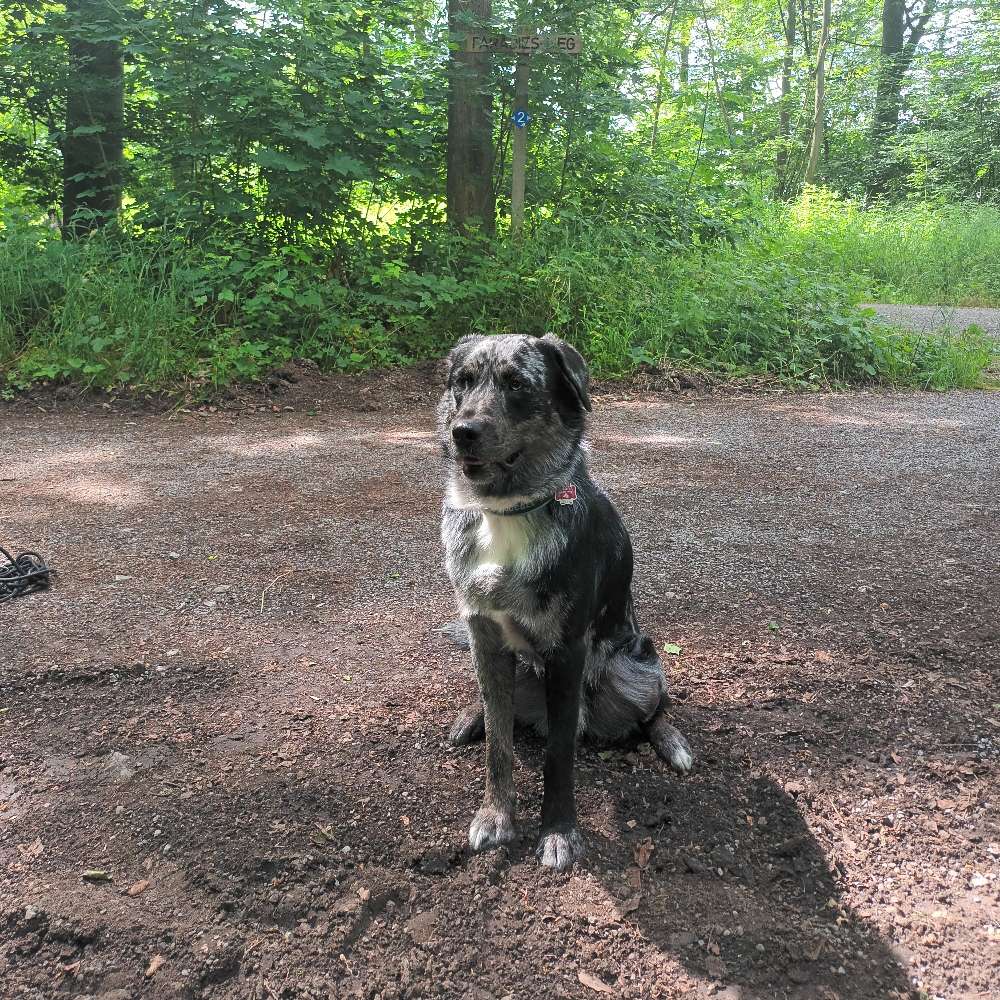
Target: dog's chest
495 564
490 559
502 544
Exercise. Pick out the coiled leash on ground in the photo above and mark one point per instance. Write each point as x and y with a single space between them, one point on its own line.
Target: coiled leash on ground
22 575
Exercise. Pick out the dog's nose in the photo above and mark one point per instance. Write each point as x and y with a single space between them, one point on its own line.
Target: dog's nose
467 432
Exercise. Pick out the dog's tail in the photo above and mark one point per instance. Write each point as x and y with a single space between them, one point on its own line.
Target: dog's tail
457 632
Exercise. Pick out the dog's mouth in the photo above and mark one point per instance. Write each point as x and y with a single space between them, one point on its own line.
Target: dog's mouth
478 469
473 468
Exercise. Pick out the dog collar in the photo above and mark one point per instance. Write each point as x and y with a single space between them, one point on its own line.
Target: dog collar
565 496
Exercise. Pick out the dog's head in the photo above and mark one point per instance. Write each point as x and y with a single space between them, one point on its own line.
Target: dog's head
513 412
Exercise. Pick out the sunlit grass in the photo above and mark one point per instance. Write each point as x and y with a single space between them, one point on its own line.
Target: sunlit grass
917 253
777 299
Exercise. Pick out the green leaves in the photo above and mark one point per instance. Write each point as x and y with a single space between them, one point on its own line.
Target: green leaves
314 137
275 159
346 165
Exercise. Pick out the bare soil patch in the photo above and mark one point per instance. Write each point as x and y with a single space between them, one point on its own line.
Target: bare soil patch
223 771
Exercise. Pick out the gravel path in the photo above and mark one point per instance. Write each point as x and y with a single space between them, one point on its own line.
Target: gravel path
223 773
930 318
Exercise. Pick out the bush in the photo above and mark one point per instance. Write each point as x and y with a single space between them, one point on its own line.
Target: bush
918 253
157 309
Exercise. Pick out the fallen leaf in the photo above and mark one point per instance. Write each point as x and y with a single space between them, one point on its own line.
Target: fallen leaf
96 875
631 904
643 851
672 648
592 982
155 963
634 877
139 887
822 656
32 850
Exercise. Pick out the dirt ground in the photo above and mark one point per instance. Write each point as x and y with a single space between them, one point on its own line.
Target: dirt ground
223 771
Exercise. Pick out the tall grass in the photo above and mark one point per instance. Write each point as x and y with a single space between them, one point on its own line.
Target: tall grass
625 298
158 309
919 253
102 311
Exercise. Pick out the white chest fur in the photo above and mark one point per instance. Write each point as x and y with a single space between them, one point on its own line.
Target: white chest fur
501 542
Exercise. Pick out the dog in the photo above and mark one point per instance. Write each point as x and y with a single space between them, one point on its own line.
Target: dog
541 565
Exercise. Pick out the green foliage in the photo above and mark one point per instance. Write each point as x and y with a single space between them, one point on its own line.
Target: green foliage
917 252
285 189
156 310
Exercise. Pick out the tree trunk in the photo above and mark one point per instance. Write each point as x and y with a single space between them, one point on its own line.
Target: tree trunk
92 146
819 114
684 74
660 74
897 51
715 78
470 194
785 112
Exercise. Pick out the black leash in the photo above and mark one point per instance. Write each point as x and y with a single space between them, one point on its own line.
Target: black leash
22 575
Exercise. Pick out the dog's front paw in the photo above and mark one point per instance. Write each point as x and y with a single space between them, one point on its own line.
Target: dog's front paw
490 828
559 850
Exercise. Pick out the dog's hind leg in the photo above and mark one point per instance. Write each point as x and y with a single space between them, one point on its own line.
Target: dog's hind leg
529 709
469 726
629 697
668 742
456 632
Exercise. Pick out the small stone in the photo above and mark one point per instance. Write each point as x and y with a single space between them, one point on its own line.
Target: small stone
799 973
222 588
422 926
715 967
174 555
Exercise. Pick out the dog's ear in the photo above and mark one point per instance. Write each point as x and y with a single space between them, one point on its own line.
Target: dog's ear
461 351
571 367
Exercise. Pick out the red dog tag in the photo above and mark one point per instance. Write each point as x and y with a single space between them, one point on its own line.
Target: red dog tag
566 495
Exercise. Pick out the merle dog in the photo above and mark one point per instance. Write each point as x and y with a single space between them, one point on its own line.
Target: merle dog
542 569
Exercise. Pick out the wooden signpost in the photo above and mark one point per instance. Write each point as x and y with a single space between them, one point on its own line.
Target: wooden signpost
522 47
524 44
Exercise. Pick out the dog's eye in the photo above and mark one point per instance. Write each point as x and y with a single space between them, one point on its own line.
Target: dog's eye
515 384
